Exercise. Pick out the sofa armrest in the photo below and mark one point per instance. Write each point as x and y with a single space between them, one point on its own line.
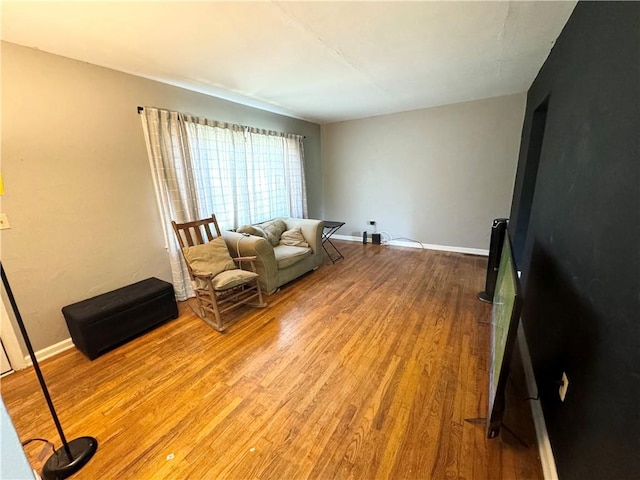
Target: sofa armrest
311 231
240 245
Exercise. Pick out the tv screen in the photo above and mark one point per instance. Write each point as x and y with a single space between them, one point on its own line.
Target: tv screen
505 315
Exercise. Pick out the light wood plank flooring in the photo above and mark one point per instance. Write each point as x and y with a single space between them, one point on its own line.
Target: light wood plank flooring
366 369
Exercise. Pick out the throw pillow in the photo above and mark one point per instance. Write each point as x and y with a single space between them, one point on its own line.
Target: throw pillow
293 238
273 230
212 257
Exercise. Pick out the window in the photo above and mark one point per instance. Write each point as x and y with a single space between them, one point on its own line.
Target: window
241 174
246 175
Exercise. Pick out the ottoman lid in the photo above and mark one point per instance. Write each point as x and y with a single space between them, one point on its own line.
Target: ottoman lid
117 300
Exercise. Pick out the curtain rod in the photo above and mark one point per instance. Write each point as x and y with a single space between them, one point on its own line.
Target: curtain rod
141 109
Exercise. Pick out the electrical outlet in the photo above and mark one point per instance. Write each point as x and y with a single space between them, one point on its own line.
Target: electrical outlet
4 221
564 385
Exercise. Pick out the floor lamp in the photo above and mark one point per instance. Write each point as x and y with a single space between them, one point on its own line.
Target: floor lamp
73 455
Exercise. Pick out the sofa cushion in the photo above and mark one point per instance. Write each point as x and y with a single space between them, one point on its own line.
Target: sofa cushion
293 238
212 257
232 278
287 255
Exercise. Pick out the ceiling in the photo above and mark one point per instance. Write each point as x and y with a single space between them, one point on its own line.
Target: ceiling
318 61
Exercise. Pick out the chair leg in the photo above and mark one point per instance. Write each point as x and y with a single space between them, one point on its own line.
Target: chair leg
216 311
201 311
207 304
260 301
219 326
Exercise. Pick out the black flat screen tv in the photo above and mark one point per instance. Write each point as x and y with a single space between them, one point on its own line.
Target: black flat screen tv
505 315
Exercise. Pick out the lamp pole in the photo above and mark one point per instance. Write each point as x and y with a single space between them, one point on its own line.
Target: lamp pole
73 455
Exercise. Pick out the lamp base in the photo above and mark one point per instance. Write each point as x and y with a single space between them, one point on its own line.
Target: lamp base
484 297
59 466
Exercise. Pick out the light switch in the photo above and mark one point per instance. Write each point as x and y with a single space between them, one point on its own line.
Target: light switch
4 221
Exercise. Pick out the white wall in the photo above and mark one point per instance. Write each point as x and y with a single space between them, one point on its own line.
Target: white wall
438 175
78 189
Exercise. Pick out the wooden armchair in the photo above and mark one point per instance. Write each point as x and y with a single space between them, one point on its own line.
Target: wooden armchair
219 283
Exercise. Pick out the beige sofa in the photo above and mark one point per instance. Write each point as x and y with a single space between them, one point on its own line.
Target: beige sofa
278 263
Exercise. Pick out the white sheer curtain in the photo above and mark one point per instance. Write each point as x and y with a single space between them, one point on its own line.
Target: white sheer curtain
248 175
174 183
277 179
243 175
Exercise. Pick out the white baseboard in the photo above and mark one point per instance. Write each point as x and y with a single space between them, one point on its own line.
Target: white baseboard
416 244
544 445
50 351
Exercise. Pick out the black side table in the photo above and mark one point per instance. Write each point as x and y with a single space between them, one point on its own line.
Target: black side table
329 229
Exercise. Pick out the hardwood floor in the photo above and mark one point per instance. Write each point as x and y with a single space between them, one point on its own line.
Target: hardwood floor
365 369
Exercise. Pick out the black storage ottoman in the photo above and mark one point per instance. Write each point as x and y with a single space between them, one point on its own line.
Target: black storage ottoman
103 322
